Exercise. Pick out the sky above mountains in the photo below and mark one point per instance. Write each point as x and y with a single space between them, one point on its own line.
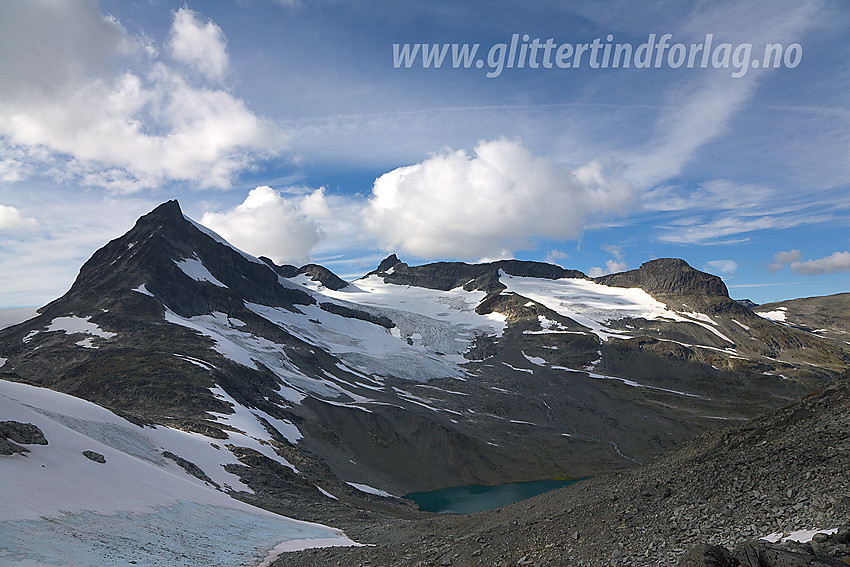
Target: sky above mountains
297 130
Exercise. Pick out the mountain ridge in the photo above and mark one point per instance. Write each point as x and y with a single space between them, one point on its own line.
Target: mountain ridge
507 370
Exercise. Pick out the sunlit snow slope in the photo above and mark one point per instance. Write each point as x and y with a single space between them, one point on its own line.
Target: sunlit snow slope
60 508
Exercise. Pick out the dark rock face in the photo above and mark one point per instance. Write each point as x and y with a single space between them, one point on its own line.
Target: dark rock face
316 272
350 313
668 276
323 275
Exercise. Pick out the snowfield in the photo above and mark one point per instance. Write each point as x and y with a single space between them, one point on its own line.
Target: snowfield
60 508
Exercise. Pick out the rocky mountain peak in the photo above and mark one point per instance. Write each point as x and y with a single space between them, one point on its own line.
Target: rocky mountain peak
190 269
668 276
388 262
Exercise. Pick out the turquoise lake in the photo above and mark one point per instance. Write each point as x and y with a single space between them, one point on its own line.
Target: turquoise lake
470 499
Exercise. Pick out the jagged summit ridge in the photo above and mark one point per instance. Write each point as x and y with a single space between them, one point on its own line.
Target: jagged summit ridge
451 275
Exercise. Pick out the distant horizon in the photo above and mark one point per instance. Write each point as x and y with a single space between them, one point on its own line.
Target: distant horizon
592 134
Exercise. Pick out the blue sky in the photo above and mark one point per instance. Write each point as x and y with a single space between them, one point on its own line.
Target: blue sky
286 127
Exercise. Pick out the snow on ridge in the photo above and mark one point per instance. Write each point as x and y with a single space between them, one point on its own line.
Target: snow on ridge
777 316
195 269
218 238
73 325
10 316
247 349
248 422
589 303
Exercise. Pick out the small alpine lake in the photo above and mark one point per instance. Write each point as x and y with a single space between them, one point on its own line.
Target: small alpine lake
475 498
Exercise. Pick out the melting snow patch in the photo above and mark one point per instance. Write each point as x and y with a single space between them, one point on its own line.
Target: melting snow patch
530 371
195 269
143 290
370 490
802 536
535 360
777 316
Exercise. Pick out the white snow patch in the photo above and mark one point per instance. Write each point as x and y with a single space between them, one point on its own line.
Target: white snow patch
143 290
195 269
746 328
3 361
535 360
73 325
777 316
801 536
371 490
302 544
254 434
588 303
530 371
436 353
326 493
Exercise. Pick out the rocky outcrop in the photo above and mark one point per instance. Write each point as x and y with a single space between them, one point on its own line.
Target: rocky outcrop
94 457
13 434
824 550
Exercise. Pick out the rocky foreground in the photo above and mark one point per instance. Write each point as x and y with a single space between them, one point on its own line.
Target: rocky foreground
785 471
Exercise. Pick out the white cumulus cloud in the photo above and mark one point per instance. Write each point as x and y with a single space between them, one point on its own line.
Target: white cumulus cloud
93 105
835 262
11 219
500 197
782 258
200 45
268 224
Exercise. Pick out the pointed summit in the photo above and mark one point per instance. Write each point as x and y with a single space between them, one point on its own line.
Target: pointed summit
388 263
188 268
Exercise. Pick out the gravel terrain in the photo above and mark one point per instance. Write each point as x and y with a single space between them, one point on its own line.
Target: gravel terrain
785 471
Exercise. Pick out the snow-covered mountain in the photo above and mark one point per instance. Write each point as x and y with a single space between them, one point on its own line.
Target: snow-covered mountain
291 389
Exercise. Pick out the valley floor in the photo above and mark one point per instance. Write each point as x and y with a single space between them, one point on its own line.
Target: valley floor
782 472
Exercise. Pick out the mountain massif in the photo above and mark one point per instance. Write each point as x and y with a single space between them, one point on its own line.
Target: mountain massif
290 389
